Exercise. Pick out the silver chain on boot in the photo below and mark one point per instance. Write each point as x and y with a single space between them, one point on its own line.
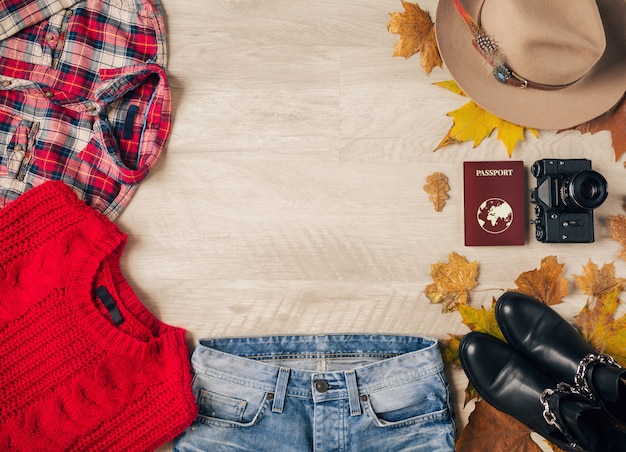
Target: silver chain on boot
580 379
581 387
550 416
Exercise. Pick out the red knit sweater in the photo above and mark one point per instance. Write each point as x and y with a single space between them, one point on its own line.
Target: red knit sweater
74 374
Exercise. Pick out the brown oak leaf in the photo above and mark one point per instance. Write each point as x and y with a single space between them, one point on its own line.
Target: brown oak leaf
437 187
491 430
452 282
598 283
417 34
598 325
614 121
546 284
617 225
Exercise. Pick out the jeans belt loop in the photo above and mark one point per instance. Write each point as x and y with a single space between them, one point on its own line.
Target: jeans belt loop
281 390
353 393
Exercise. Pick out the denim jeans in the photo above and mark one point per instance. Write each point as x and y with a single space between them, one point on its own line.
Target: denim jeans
320 393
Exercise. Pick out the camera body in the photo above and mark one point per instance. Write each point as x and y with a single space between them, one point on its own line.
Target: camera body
567 192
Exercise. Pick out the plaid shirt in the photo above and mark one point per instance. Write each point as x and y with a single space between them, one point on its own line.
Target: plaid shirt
84 97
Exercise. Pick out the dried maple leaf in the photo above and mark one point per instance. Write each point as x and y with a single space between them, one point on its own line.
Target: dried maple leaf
545 284
598 283
452 86
492 430
481 320
452 282
417 34
473 123
613 121
617 225
598 325
437 187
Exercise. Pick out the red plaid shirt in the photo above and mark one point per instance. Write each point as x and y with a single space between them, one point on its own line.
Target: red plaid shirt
84 97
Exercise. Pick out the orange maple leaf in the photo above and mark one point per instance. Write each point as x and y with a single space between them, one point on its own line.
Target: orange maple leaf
417 34
613 121
493 430
437 187
598 325
452 282
546 284
473 123
617 225
598 283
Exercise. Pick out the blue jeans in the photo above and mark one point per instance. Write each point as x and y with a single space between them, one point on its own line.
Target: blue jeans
320 393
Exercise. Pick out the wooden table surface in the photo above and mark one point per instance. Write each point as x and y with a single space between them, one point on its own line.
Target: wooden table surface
290 197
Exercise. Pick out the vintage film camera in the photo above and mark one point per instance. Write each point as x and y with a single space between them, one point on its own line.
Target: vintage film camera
567 192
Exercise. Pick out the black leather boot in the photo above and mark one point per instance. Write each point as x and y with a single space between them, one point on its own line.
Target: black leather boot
512 384
543 336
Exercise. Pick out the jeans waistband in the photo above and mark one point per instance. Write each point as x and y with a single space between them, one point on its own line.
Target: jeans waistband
346 366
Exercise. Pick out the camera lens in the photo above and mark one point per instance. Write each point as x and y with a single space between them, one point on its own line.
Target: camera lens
585 190
537 169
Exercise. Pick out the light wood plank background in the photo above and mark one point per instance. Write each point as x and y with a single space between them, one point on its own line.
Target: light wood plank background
290 198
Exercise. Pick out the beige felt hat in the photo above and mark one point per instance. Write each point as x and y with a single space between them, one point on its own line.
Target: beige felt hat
549 64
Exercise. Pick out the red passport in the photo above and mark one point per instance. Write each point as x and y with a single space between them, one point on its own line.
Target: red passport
494 201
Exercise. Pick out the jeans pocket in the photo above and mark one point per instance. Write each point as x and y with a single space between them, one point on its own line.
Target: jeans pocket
221 407
243 408
417 402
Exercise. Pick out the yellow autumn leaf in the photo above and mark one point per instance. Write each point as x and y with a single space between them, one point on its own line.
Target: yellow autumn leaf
598 283
481 320
452 86
437 187
450 349
452 282
598 325
417 34
545 284
473 123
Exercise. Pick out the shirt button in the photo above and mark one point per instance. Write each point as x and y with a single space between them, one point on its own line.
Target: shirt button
6 83
49 94
49 37
321 385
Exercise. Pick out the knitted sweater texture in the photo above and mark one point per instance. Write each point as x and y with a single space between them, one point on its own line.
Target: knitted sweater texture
84 366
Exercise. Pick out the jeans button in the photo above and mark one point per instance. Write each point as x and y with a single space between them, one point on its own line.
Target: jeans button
321 385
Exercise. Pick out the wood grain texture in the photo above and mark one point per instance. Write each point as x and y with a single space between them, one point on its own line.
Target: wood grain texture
290 198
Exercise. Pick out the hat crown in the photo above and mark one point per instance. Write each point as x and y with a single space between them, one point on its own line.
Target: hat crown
552 42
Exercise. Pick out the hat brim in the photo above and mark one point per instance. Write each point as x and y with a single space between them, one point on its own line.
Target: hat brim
595 93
